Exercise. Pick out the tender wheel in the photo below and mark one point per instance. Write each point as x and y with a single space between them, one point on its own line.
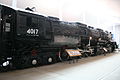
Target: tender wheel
34 62
24 62
50 60
6 66
4 69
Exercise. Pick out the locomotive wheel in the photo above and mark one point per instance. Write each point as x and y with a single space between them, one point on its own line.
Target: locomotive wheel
64 56
110 49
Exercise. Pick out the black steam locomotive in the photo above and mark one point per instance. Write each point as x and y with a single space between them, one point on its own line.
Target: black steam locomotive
31 39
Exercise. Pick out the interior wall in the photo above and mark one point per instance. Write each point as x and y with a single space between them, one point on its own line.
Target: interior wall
116 31
96 13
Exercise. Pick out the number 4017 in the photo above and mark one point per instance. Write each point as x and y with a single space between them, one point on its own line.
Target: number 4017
32 31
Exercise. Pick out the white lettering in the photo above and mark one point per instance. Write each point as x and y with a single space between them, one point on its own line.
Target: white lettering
32 31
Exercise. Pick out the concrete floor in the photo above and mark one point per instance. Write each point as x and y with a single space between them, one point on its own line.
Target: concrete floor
91 68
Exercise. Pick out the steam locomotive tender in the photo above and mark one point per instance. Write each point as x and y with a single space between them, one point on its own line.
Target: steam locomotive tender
31 39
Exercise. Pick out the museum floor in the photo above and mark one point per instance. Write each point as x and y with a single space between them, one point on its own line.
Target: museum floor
92 68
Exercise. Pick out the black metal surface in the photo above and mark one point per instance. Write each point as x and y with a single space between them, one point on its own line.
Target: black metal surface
23 32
